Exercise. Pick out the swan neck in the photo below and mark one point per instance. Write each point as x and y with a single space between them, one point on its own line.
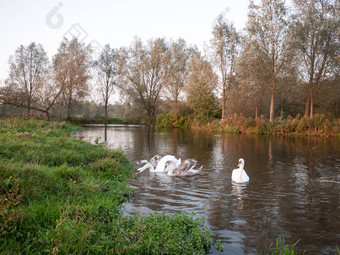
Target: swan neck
241 170
147 166
151 168
161 165
171 171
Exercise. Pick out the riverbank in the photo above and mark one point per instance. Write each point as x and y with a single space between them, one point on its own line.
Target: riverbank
61 195
319 125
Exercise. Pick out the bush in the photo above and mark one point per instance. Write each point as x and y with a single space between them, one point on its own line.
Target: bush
165 120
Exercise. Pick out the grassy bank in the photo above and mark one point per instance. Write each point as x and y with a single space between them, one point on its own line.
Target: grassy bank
319 125
63 196
79 121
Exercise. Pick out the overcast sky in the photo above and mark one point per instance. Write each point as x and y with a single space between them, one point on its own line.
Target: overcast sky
115 22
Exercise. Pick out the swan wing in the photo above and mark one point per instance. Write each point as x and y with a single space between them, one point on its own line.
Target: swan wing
235 174
185 166
195 171
245 177
179 161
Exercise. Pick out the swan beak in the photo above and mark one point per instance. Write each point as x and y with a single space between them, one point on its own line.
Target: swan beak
137 173
238 165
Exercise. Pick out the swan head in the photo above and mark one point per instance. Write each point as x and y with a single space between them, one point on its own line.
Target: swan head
241 162
146 166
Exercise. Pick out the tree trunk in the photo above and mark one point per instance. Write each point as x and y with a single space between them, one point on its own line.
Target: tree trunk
307 106
29 107
223 103
271 115
69 105
281 114
255 111
311 104
244 108
105 120
46 115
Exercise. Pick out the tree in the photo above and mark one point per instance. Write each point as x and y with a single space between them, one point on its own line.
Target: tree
268 27
48 94
28 69
225 44
317 43
252 75
179 56
72 71
144 73
107 73
200 85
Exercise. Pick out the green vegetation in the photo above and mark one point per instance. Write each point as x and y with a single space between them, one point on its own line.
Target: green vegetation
283 249
63 196
170 120
319 125
79 121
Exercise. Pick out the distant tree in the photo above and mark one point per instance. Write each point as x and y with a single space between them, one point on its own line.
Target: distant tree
317 43
268 28
28 69
225 48
72 71
108 74
144 73
200 87
252 75
48 94
179 56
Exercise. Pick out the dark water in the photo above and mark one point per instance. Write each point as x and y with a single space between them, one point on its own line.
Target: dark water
289 194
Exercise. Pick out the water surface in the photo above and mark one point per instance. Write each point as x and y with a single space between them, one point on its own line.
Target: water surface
292 193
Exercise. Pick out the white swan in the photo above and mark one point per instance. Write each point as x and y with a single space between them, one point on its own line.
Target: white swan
165 164
239 175
185 169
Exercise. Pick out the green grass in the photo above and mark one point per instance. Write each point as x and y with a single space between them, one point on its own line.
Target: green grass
63 196
281 248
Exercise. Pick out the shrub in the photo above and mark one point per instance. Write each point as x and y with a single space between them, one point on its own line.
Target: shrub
164 120
168 120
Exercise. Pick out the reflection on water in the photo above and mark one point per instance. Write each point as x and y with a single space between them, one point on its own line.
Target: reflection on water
284 196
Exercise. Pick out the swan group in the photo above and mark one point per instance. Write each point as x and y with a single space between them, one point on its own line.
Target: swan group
175 167
171 165
164 164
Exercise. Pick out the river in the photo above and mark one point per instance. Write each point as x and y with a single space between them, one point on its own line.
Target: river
293 190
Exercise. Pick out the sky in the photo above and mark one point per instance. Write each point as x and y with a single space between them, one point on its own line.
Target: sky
116 22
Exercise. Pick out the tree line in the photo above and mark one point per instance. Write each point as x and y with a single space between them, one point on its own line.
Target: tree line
286 62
